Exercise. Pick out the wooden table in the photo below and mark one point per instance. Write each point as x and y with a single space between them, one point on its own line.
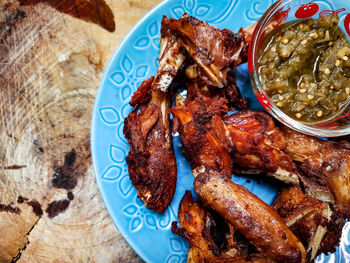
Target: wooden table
52 56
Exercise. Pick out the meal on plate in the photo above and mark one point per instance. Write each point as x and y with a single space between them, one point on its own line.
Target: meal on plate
228 223
305 68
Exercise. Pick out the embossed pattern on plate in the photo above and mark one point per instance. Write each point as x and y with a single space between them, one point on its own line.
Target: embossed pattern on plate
134 61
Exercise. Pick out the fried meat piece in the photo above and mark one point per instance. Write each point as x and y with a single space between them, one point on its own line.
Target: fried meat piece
214 54
209 235
151 160
170 59
311 220
247 33
253 218
203 134
211 238
259 146
212 49
198 84
143 94
231 93
324 167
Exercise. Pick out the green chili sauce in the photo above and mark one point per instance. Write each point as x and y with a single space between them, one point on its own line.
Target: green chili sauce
304 67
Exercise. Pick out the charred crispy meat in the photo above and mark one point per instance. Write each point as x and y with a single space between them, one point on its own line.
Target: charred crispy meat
215 53
254 219
311 220
259 145
212 49
199 84
210 237
248 139
151 160
324 167
231 93
203 134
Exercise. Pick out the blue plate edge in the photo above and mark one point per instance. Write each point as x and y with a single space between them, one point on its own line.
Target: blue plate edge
93 127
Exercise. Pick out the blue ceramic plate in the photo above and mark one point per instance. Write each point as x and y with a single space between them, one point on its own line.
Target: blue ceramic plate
134 61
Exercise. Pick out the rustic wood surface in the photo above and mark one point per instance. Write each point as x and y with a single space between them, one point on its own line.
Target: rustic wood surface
52 56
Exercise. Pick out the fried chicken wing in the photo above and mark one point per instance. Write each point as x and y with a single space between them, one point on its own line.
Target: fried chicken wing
212 49
213 55
259 145
203 134
324 167
254 219
311 220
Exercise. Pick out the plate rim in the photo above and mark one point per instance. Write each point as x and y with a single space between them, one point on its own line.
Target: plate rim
104 77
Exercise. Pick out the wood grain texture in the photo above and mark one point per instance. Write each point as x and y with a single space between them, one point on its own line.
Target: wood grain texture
50 67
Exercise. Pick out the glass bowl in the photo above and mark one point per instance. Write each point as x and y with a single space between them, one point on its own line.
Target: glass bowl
284 11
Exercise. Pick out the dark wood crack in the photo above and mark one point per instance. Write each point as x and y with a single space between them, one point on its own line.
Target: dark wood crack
21 250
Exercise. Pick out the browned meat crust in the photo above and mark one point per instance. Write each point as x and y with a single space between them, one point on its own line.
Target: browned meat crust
143 94
311 220
250 138
198 226
215 53
231 93
151 160
198 83
254 219
212 239
203 133
324 167
212 49
259 145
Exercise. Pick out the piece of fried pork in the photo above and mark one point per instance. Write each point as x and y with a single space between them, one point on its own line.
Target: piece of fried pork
209 235
151 160
197 83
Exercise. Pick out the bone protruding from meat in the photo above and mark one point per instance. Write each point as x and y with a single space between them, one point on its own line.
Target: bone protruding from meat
311 220
324 167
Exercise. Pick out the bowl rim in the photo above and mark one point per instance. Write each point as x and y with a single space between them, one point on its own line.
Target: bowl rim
263 98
